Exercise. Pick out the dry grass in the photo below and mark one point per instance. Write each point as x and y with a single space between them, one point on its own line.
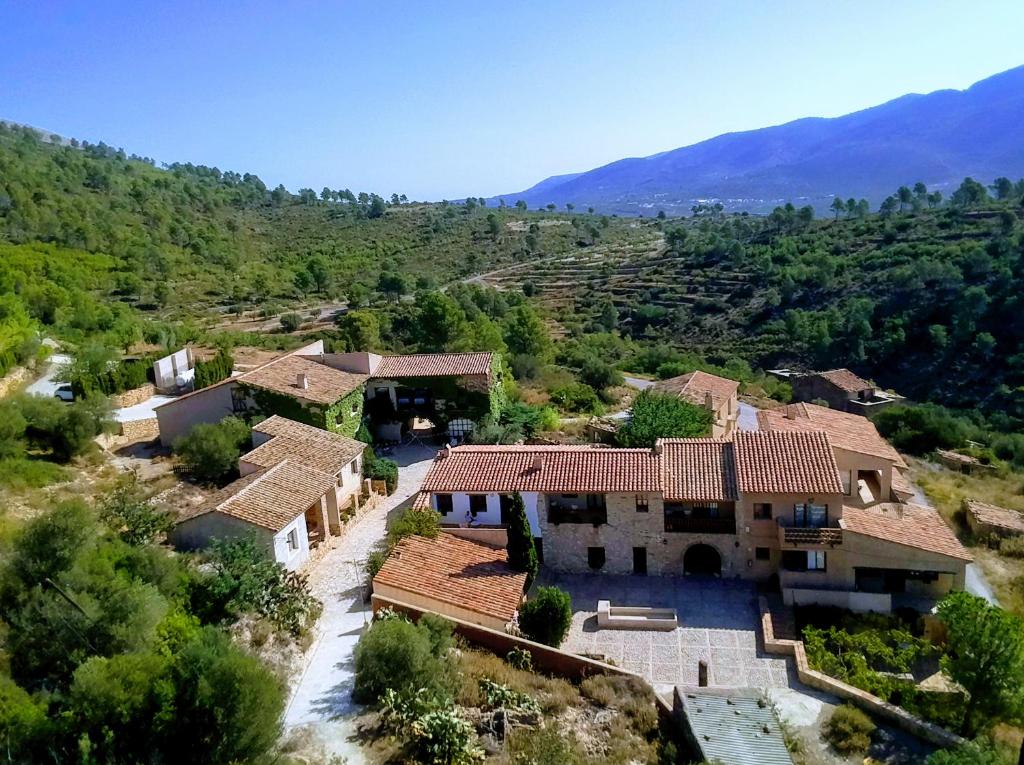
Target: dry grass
553 694
947 489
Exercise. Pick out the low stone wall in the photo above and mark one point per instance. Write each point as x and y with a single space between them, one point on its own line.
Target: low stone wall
866 701
133 396
140 430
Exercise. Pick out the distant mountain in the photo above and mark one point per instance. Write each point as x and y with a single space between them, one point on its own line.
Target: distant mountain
938 138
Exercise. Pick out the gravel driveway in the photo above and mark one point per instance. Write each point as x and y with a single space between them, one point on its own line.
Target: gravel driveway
322 695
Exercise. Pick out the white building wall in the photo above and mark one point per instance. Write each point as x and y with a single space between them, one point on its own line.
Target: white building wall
492 516
177 418
292 559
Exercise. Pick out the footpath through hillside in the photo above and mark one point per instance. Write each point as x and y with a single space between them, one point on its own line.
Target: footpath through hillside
321 697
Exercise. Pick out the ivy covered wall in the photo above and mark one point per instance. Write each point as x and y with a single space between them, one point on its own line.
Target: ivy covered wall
343 416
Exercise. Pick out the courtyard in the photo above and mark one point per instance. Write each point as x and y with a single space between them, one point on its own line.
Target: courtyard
718 625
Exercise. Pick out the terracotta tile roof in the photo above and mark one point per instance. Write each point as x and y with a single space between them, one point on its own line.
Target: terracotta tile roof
846 431
785 463
693 387
909 525
457 571
573 469
993 515
326 385
845 380
434 365
304 445
901 484
270 499
700 469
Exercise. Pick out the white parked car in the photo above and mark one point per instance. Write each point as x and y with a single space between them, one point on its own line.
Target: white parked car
64 393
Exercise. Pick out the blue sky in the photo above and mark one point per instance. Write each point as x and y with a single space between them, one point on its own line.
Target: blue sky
452 99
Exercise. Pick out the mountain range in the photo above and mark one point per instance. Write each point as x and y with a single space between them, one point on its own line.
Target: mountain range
938 138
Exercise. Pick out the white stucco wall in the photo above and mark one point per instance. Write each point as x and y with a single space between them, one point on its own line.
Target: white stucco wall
292 559
177 418
492 516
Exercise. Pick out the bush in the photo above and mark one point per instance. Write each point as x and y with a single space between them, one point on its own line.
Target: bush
246 579
397 655
443 737
211 451
577 397
1012 547
128 513
213 371
382 469
520 658
657 415
19 473
921 429
849 730
978 752
290 322
522 554
546 617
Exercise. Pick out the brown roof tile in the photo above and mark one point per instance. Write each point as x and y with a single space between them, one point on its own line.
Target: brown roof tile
693 387
434 365
846 431
269 498
993 515
700 469
304 445
544 468
909 525
785 463
845 380
467 574
325 385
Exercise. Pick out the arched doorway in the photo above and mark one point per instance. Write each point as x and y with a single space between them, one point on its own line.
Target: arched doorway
702 560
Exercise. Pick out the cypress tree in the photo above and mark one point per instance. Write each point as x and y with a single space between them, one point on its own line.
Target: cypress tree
522 555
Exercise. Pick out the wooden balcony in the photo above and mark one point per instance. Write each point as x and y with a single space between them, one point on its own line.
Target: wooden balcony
806 537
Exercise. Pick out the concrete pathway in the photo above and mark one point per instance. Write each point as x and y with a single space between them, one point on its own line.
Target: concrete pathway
322 694
638 382
47 384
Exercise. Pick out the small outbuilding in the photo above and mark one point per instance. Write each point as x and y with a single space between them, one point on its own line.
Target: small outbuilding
730 728
987 520
277 506
456 577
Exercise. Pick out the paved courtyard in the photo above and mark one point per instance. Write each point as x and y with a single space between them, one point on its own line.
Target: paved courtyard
718 624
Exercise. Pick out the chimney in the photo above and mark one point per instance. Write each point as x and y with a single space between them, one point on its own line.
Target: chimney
790 413
658 447
538 462
302 381
445 451
709 401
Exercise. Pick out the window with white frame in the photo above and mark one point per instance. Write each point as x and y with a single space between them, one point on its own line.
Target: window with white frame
815 560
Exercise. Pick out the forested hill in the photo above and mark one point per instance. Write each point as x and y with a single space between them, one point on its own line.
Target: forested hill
938 138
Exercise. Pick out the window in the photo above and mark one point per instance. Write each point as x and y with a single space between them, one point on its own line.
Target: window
640 560
763 553
794 560
355 408
815 560
762 511
847 478
595 557
444 503
538 545
810 516
293 540
642 504
477 504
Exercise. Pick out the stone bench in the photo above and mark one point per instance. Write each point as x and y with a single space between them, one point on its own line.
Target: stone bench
611 617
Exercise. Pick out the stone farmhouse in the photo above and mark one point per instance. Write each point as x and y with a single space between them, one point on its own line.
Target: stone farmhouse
717 394
841 389
758 505
296 486
332 391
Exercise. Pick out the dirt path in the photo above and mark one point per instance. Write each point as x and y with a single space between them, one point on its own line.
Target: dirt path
321 697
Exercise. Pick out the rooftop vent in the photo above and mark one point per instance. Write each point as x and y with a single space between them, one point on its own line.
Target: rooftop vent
301 381
538 462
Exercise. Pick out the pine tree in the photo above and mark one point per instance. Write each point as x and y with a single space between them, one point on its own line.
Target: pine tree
522 555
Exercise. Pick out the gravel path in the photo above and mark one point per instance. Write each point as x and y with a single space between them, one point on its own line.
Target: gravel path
322 695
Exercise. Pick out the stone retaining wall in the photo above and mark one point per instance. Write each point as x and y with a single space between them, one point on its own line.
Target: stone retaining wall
133 396
866 701
13 380
140 430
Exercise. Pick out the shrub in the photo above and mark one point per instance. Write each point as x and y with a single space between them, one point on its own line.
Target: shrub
18 473
443 737
498 696
849 730
246 579
386 470
520 658
128 513
921 429
978 752
213 371
545 746
398 655
290 322
522 555
546 617
577 397
211 451
656 415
